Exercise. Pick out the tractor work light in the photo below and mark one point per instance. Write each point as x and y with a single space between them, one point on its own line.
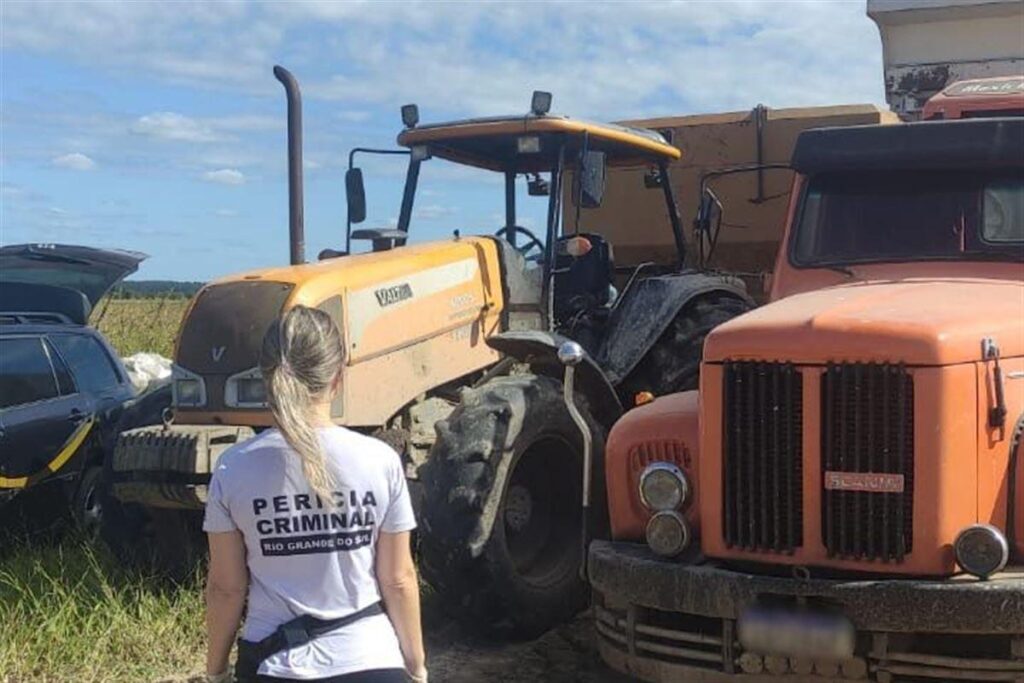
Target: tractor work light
540 103
410 115
187 388
246 390
528 144
252 390
667 533
981 550
663 487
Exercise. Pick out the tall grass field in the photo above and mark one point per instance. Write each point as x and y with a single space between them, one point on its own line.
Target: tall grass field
68 612
134 325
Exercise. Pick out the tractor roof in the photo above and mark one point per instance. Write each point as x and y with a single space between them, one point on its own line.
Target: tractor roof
492 143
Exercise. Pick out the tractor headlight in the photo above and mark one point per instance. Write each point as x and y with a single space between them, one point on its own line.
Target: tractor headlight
663 486
246 390
667 533
982 550
187 388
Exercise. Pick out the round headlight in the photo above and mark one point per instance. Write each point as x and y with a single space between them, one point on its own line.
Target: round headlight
982 550
663 486
667 533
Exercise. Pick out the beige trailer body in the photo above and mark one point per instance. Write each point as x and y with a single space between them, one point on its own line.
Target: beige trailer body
639 228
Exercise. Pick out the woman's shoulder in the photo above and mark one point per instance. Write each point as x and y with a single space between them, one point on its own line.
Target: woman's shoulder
351 444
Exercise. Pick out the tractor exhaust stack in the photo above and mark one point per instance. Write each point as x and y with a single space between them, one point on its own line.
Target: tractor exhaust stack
296 227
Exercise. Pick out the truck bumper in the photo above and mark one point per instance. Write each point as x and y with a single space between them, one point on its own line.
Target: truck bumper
169 467
662 620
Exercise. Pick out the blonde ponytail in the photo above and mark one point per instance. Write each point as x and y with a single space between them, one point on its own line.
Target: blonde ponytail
300 359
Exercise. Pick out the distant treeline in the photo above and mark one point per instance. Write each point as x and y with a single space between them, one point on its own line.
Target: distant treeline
155 289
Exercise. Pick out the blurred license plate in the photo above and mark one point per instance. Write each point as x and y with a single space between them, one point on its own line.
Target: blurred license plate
791 632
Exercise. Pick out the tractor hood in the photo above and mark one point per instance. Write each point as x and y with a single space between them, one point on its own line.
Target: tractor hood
57 277
915 321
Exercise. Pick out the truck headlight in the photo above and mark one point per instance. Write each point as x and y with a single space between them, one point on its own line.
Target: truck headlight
187 388
663 486
981 550
246 390
667 533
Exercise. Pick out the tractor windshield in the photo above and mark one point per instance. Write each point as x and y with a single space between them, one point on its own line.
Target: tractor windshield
854 217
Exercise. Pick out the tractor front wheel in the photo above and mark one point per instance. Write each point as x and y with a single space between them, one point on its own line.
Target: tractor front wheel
502 539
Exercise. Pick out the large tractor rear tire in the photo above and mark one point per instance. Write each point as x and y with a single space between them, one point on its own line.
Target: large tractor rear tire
673 363
502 518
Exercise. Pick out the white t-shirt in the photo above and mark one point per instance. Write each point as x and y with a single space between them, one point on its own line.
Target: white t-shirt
306 557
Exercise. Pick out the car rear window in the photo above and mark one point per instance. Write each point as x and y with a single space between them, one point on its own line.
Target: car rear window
89 362
25 372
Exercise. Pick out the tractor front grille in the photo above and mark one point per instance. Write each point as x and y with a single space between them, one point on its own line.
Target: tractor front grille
762 434
867 456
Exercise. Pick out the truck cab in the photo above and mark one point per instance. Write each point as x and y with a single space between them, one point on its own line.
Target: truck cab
842 497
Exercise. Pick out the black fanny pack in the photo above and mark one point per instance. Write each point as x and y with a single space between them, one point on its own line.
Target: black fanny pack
294 633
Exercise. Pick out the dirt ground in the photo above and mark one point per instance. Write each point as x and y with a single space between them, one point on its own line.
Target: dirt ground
567 653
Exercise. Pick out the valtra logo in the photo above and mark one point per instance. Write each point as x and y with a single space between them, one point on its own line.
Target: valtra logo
386 296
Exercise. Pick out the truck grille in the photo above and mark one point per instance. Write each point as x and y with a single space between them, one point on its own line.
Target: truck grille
762 441
867 427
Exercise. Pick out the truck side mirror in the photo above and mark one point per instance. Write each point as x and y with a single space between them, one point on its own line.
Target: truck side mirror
590 180
355 195
709 215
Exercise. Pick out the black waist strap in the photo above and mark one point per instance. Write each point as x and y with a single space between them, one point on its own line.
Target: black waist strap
299 631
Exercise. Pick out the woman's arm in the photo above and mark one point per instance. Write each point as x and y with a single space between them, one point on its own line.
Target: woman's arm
227 582
399 587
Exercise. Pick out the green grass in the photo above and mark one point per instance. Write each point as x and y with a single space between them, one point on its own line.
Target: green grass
134 325
69 613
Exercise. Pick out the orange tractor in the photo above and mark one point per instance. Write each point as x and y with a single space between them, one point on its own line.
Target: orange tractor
843 497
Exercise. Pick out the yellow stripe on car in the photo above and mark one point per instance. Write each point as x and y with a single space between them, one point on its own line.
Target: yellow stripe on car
67 450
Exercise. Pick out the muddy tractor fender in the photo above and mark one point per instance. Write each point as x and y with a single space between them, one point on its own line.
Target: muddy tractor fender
647 309
539 350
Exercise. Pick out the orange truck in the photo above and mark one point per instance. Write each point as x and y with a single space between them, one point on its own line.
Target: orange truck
843 497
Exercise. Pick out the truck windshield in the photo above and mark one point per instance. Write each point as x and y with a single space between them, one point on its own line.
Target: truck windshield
853 217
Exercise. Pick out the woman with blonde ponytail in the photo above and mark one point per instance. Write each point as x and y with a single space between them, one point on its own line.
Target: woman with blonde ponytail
309 528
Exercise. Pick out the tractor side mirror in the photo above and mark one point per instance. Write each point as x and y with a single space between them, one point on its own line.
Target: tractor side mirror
709 215
590 180
355 195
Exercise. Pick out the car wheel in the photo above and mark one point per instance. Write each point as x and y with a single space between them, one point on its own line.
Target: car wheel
87 503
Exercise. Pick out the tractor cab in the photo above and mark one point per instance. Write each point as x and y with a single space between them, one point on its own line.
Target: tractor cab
558 157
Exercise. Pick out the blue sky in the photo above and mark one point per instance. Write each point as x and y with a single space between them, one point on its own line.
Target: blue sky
159 126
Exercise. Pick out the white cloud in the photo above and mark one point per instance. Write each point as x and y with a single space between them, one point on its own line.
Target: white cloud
173 126
76 161
225 176
722 55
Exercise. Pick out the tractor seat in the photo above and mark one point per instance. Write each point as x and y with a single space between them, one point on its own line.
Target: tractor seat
583 282
382 238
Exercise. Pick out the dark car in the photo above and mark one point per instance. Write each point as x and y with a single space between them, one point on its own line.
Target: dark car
64 394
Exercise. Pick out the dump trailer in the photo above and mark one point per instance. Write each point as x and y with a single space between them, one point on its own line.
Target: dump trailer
930 44
714 147
842 497
431 328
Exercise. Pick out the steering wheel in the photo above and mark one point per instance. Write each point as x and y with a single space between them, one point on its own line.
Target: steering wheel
532 243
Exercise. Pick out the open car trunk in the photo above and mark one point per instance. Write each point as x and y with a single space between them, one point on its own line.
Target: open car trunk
58 279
